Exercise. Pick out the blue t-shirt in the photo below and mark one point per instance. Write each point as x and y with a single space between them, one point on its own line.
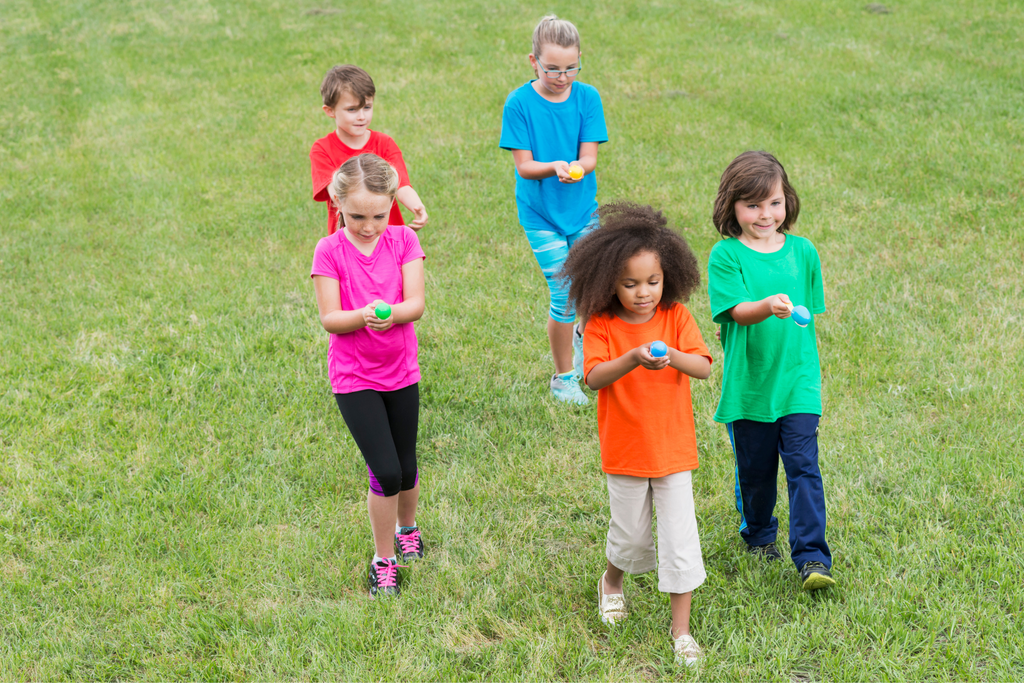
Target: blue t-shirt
553 131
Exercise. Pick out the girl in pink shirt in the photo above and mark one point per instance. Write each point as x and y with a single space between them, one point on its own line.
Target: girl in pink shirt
369 290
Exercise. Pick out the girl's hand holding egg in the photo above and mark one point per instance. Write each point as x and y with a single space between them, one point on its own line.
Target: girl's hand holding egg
377 316
653 356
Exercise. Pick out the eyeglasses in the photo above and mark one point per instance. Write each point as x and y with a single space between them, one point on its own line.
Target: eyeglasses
569 73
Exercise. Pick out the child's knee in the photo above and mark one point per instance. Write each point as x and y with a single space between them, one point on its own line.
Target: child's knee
386 481
410 478
561 311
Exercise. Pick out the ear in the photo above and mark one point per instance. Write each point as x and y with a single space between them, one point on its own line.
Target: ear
329 111
534 65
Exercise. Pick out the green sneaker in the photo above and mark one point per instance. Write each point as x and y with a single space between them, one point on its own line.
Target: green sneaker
566 388
815 575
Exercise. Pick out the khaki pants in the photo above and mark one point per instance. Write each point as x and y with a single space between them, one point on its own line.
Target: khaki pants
630 542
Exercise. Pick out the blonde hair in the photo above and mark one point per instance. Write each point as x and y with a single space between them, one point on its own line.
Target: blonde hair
554 31
368 170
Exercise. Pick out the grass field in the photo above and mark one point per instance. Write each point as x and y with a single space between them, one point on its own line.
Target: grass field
179 497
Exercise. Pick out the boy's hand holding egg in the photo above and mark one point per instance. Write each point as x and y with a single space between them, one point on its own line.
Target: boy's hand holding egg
783 308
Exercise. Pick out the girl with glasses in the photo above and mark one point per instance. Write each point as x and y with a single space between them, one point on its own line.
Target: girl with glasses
553 125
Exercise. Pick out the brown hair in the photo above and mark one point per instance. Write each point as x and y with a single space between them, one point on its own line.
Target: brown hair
596 261
346 78
368 170
554 31
752 176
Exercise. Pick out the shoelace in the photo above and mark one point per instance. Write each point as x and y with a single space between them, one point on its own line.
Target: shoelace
387 574
410 542
813 565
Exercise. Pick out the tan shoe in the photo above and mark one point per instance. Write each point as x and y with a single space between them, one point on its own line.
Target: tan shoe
687 650
612 608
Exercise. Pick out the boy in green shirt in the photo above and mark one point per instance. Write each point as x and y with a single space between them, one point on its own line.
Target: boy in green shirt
771 383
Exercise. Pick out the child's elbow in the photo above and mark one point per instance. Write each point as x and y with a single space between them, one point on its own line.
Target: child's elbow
704 370
418 309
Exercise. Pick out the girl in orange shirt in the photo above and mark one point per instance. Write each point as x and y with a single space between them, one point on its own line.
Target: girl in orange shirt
626 278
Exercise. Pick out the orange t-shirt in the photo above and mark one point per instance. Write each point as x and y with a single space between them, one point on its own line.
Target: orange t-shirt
645 418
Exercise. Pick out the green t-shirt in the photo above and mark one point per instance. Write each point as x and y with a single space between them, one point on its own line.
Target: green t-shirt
771 369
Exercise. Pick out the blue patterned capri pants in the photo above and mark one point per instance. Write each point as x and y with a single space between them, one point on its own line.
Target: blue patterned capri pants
550 248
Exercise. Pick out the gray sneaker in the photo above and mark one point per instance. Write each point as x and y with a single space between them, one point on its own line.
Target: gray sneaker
566 388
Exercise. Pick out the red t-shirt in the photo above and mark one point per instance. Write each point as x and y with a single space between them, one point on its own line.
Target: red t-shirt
329 153
645 418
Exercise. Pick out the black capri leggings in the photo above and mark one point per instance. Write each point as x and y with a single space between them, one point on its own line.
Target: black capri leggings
384 424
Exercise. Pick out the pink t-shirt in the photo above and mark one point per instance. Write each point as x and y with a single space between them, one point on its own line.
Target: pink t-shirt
364 359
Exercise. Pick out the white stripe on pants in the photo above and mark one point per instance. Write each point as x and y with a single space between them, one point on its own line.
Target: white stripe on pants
630 541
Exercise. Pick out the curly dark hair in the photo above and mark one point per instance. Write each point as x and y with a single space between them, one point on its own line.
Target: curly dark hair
752 176
627 229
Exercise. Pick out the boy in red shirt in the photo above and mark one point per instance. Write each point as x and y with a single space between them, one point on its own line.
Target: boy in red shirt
348 93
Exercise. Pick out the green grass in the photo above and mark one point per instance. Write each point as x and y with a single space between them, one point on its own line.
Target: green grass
179 497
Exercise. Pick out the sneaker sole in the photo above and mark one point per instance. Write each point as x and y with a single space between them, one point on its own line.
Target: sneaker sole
817 581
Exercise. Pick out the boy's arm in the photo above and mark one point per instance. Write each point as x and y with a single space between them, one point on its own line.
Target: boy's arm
406 196
411 200
322 170
753 312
